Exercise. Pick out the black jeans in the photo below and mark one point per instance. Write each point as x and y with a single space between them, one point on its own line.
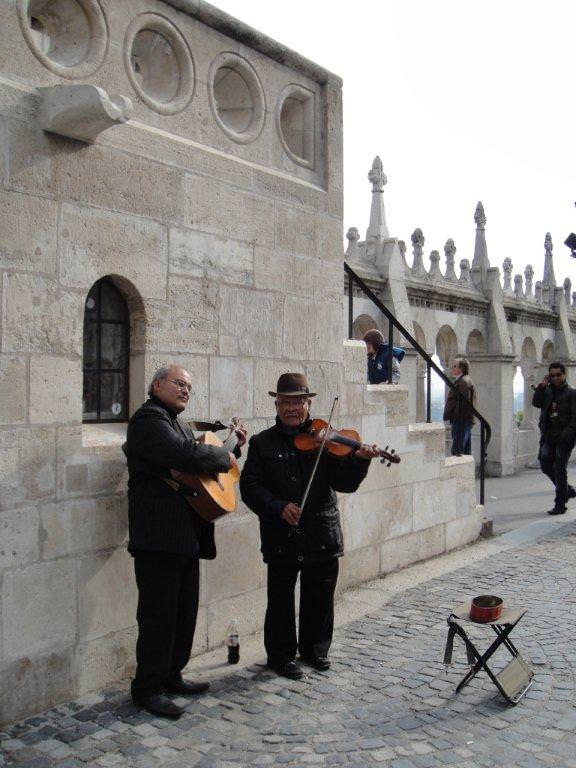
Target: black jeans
553 459
168 588
316 620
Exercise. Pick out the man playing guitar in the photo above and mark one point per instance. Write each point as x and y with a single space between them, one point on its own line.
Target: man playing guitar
167 537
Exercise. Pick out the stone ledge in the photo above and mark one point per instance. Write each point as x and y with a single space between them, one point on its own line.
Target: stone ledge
103 435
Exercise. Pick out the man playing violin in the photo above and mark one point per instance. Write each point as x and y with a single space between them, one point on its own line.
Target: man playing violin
166 538
296 541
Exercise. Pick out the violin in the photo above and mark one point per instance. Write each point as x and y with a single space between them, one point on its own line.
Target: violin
337 442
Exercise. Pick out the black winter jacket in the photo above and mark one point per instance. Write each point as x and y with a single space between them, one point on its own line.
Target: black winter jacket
566 407
274 474
160 519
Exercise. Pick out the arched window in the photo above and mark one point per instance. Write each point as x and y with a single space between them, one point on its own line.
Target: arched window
106 354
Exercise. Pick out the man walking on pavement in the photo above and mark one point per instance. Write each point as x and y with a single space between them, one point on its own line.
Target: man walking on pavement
557 403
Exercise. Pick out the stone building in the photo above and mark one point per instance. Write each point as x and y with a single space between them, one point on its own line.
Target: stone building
170 190
500 324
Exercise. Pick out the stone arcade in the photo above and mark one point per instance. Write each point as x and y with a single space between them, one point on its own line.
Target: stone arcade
498 326
171 189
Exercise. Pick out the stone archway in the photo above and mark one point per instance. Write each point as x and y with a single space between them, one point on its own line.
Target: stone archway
530 369
362 324
475 344
446 345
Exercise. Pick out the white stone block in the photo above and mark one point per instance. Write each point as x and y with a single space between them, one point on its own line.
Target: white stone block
40 317
255 318
13 403
106 660
28 238
107 595
27 466
188 321
231 387
83 525
421 545
435 501
55 390
96 243
355 370
238 567
358 566
19 536
465 529
33 621
374 517
198 254
119 181
217 208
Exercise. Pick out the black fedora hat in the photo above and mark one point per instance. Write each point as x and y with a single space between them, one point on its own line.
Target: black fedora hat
291 384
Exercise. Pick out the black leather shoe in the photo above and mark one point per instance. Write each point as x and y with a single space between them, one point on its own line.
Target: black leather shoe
287 669
159 705
318 662
557 511
186 687
571 492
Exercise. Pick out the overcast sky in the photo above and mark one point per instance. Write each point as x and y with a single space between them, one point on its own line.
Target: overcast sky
463 101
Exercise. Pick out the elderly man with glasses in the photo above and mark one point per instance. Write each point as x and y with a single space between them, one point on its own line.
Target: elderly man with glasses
557 403
166 538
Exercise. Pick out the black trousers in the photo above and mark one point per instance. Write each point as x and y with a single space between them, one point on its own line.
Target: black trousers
553 462
316 620
168 587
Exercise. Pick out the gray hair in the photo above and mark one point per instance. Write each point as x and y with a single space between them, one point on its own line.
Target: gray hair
159 375
463 364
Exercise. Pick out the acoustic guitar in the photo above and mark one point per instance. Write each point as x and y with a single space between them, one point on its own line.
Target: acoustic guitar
211 495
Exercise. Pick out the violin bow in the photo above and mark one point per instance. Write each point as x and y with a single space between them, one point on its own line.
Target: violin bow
311 478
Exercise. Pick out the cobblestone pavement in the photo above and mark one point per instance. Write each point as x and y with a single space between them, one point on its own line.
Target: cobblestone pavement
386 701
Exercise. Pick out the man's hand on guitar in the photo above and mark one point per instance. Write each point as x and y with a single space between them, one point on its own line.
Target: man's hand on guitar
233 462
291 513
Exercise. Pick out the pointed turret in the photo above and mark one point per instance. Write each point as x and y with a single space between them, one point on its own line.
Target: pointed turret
377 227
549 280
480 262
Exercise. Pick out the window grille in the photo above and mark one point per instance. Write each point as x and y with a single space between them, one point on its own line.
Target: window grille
106 355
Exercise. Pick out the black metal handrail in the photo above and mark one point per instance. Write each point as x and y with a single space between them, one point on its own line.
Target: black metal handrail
485 430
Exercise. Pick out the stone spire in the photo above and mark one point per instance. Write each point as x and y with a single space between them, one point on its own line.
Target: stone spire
548 280
352 252
435 266
450 253
529 276
507 270
417 249
480 262
377 227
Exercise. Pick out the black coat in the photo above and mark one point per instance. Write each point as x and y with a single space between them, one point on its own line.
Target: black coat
160 519
566 407
274 474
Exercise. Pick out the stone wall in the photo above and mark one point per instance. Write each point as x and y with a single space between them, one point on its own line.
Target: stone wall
225 240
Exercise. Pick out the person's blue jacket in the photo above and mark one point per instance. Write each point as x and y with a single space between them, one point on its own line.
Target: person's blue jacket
378 364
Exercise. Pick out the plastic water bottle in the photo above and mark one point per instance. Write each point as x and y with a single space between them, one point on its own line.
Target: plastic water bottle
233 642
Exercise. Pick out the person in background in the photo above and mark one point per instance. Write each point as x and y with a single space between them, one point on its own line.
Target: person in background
377 350
456 412
557 402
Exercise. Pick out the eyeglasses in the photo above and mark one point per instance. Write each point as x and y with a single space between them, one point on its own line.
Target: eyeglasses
182 385
293 400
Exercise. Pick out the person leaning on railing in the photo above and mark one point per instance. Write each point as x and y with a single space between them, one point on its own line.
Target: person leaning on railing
377 350
457 412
